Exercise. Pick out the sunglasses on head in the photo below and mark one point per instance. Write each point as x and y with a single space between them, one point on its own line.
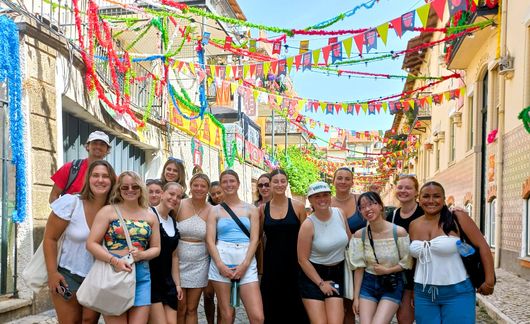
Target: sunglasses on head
175 159
149 182
261 185
130 187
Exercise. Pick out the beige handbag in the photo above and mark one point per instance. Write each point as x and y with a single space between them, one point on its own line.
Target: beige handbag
105 290
348 276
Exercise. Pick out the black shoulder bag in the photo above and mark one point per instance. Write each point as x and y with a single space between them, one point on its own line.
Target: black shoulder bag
236 219
389 281
72 175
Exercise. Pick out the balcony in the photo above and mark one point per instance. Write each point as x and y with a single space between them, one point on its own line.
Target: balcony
464 49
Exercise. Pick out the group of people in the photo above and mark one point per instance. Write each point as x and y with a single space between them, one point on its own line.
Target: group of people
202 241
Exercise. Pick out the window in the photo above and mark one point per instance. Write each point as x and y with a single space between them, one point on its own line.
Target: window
526 211
470 124
123 155
452 149
7 200
490 222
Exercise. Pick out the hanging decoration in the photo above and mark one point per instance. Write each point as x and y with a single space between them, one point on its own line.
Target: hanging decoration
524 115
10 73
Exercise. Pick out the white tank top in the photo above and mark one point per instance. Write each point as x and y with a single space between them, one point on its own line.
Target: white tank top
439 262
329 239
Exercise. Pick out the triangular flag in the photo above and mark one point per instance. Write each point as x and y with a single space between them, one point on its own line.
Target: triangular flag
266 68
447 95
385 106
359 41
316 56
412 103
462 92
344 107
429 100
246 69
279 100
289 62
338 106
274 67
325 53
396 23
357 108
347 45
297 61
255 93
252 70
364 106
323 105
383 32
212 70
423 14
233 87
192 68
228 70
439 8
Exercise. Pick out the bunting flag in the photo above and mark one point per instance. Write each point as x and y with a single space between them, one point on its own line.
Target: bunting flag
383 32
316 56
359 41
439 8
252 46
371 39
456 6
205 38
336 52
396 23
347 45
407 21
276 48
423 14
306 61
325 53
228 42
304 46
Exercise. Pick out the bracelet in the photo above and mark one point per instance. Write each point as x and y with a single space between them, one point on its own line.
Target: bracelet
110 260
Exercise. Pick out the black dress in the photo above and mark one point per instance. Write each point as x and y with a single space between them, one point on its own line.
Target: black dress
279 284
163 289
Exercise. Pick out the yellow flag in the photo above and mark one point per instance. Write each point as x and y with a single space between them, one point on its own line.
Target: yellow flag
266 68
364 106
246 69
347 45
316 56
383 31
289 62
423 14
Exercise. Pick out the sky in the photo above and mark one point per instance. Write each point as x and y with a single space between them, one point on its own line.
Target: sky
300 14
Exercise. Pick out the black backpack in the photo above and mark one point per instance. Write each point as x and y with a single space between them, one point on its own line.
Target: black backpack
74 171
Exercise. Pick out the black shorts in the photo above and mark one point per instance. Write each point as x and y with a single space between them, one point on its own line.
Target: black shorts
164 291
310 290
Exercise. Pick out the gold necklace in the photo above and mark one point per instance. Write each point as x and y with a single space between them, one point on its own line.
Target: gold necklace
343 199
195 210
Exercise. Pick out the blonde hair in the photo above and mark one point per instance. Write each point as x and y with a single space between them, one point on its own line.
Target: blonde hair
200 176
116 198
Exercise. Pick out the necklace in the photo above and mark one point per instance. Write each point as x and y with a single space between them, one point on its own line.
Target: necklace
195 210
408 214
343 199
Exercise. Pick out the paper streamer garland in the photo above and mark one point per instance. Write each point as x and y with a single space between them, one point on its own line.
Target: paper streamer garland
10 72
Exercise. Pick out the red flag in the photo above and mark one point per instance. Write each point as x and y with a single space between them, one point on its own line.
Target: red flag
439 8
359 41
325 53
297 61
228 42
276 47
396 23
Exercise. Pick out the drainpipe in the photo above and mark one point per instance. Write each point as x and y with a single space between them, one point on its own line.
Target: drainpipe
499 164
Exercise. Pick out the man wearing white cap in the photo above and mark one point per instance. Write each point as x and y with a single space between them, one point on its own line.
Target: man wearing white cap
70 178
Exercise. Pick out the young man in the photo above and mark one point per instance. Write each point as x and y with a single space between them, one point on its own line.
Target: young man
71 176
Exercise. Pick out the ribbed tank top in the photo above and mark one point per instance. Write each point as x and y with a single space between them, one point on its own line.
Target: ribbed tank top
329 239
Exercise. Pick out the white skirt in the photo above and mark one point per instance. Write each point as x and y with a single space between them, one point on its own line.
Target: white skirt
233 254
193 264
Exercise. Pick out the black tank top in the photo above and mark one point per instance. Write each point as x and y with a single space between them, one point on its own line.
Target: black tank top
161 265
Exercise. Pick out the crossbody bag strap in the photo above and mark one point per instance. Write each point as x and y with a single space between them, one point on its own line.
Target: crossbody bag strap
124 227
394 233
372 242
236 219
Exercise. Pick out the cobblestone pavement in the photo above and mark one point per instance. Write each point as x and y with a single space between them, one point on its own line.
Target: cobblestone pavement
510 303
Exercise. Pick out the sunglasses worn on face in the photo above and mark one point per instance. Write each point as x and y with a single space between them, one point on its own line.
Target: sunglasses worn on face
130 187
261 185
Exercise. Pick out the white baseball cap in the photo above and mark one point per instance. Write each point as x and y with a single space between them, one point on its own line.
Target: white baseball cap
98 136
318 187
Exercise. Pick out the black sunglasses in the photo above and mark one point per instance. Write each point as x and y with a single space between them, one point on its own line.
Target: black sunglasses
261 185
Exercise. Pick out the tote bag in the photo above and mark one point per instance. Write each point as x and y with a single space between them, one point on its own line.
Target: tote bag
105 290
35 274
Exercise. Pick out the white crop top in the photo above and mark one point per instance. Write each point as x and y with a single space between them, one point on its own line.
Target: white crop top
74 255
329 239
439 262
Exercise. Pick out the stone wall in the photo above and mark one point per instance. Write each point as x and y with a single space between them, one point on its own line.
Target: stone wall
458 179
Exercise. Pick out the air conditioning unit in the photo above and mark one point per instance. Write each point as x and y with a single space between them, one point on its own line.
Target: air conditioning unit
439 136
506 67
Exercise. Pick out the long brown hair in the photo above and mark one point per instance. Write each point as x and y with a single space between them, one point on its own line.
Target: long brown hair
181 170
86 193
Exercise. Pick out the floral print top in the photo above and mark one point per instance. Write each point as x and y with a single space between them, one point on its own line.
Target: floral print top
139 231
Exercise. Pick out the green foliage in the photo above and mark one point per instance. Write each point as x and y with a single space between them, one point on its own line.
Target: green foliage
301 172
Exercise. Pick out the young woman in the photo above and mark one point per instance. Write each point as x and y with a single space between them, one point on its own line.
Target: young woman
73 216
128 197
406 190
280 219
232 251
192 251
154 191
347 201
174 171
322 241
264 191
378 253
165 273
443 293
215 197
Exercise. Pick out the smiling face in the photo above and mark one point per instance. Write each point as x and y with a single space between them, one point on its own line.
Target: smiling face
320 201
154 192
370 210
229 184
264 187
432 199
343 180
130 190
171 172
97 150
217 194
279 184
199 188
406 190
171 197
100 182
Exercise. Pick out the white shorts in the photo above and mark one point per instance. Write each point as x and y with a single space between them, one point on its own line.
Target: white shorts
233 254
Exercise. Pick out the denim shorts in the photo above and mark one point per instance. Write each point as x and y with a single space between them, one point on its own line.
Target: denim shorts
371 289
142 295
310 290
72 280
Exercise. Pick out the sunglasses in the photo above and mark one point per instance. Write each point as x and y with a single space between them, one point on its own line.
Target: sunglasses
130 187
174 159
261 185
149 182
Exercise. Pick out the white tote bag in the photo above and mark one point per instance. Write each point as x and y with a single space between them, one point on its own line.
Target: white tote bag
105 290
348 276
35 274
